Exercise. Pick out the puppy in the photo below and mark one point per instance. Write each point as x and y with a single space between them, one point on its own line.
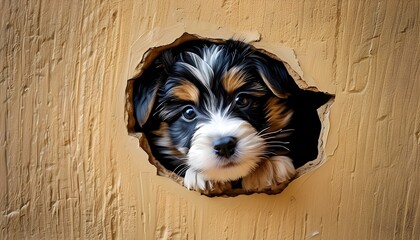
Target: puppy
218 113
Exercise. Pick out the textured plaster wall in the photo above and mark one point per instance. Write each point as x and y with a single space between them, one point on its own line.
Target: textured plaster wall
69 169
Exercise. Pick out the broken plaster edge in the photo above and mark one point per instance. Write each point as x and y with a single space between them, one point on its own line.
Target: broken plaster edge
167 37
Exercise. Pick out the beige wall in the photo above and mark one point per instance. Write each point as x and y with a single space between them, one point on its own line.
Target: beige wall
68 168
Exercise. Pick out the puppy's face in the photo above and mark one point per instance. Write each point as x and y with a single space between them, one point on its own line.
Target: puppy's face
217 109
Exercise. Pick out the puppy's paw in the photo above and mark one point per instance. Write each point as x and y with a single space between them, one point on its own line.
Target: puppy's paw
194 180
271 174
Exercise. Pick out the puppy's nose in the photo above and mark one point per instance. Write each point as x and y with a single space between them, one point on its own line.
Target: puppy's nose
225 146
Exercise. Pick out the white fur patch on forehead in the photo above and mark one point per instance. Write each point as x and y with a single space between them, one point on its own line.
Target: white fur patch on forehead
212 54
202 66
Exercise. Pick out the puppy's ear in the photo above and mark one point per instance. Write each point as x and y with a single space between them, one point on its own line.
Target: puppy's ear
144 96
144 92
146 86
275 76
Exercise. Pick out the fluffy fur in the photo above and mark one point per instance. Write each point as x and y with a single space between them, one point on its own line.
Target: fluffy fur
217 113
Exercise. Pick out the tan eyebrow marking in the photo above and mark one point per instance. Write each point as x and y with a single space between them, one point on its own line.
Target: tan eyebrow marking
186 91
233 79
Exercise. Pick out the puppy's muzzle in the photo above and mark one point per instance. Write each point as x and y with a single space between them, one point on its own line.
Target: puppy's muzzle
225 146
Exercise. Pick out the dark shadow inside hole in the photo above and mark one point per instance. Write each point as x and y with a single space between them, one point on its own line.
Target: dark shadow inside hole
307 125
304 142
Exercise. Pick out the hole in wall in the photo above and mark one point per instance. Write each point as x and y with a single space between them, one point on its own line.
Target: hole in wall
222 117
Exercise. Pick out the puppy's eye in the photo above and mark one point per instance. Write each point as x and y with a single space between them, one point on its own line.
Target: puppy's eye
189 113
242 101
